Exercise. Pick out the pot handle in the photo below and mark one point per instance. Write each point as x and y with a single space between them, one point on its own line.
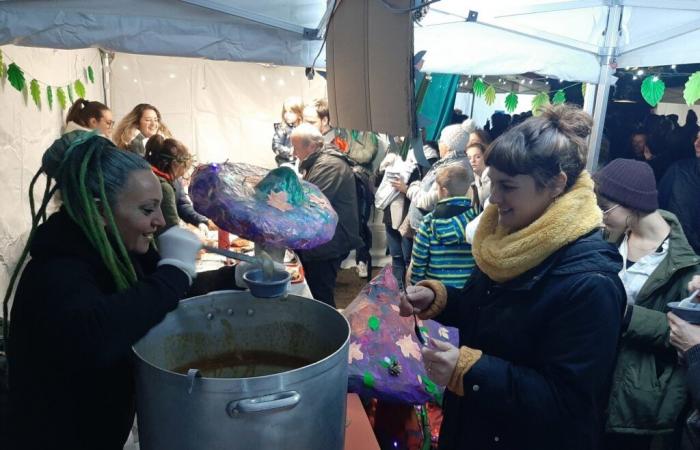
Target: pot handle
281 400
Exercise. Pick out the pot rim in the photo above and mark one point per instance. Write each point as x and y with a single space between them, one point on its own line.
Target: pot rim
317 365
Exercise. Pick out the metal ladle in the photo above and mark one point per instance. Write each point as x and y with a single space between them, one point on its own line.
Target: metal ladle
264 260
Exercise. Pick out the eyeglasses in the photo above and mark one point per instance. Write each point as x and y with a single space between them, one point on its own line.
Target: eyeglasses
607 211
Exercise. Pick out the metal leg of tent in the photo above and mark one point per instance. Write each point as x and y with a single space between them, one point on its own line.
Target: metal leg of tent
607 66
106 68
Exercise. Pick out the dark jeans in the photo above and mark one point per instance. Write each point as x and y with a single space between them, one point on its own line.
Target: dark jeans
321 275
400 250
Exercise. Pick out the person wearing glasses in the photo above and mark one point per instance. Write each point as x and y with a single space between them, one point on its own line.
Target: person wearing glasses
169 159
85 115
142 123
648 393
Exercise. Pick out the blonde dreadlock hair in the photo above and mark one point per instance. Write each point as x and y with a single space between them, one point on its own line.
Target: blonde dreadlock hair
90 173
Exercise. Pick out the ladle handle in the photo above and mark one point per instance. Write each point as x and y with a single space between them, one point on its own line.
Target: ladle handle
281 400
230 254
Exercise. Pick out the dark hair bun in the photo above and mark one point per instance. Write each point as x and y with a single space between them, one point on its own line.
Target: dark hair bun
569 120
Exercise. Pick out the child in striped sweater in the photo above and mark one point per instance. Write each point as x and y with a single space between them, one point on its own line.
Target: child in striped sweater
440 249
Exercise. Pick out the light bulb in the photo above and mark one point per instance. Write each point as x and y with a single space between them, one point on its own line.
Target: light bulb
634 77
673 66
640 72
655 78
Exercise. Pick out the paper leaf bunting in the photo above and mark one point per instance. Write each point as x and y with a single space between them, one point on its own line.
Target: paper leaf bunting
79 88
49 97
373 323
511 102
90 74
35 93
691 93
61 96
538 102
559 97
490 95
16 77
279 200
69 88
2 67
653 89
583 89
479 87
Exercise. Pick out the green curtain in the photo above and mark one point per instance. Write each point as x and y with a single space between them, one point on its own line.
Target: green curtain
435 109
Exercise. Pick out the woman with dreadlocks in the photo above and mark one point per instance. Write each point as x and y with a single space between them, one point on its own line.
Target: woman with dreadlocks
94 286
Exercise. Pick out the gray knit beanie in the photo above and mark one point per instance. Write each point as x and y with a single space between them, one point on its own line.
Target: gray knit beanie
456 136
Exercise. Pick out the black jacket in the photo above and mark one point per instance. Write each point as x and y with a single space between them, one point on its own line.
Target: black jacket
185 209
679 191
71 332
549 340
332 173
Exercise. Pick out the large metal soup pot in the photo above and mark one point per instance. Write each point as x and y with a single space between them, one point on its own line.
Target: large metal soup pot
272 374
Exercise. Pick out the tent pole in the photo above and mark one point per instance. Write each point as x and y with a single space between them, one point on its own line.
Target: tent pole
589 98
104 59
607 67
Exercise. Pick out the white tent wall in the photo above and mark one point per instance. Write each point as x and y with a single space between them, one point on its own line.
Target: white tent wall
220 110
680 109
26 131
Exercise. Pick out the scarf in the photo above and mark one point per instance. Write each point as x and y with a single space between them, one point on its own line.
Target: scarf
162 174
504 256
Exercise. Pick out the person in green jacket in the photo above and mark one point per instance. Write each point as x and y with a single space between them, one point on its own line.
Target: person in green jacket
648 392
169 159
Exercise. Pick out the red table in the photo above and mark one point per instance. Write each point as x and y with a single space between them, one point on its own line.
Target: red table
358 433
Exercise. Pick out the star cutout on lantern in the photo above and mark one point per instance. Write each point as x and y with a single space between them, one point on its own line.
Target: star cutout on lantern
355 352
279 200
444 333
409 347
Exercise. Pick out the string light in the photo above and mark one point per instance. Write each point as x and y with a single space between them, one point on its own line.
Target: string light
655 78
634 77
530 82
673 66
640 72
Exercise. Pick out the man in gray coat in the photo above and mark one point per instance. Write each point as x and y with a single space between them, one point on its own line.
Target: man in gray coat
332 173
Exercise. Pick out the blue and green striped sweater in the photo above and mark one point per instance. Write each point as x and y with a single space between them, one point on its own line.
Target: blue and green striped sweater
440 249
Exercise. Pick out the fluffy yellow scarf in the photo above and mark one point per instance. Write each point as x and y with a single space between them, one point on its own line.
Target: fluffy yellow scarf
503 256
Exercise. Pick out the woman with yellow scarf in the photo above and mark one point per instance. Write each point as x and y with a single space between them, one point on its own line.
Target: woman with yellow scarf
540 319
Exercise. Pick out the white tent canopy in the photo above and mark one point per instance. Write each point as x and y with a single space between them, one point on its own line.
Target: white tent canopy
281 32
562 39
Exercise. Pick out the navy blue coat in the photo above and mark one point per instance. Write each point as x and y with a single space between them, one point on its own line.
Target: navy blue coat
549 339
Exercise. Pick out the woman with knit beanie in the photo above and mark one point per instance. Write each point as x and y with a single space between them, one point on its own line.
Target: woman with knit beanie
539 320
648 392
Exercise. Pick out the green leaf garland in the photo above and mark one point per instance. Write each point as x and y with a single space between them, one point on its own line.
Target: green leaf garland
559 97
479 88
61 96
2 67
35 92
16 77
538 102
653 89
511 102
490 95
583 89
49 96
70 93
691 93
79 88
91 74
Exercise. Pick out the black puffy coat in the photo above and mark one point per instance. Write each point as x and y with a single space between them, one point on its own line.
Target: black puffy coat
549 340
331 172
71 332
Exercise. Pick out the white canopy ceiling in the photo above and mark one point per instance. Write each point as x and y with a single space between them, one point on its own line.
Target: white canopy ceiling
564 39
270 31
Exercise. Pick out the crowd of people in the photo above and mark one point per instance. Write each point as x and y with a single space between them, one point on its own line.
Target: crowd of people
558 280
